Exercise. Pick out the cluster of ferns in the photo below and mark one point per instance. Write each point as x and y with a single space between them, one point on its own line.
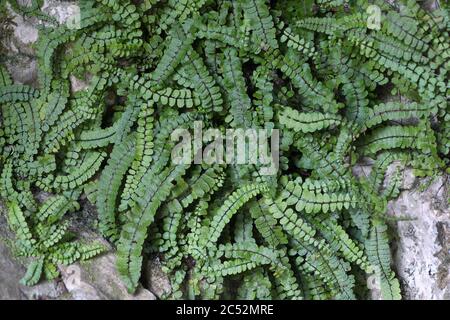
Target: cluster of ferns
315 70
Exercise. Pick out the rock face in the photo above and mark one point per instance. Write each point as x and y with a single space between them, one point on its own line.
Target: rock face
421 252
9 274
21 62
155 279
12 270
98 279
421 244
93 280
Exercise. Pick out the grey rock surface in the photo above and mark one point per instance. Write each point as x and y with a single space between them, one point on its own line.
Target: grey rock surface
62 11
155 279
421 233
98 279
21 61
422 247
12 270
9 274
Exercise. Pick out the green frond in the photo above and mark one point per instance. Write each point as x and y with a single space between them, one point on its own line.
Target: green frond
17 92
34 273
306 122
231 205
109 184
377 248
142 214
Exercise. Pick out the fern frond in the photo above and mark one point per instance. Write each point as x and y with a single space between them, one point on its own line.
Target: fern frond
134 232
307 121
109 184
235 201
261 23
377 247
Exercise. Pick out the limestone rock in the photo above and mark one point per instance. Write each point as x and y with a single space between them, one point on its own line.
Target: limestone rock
98 279
62 11
12 270
21 61
422 247
155 279
9 275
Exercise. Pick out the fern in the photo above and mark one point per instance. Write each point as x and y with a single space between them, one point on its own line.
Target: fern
315 71
306 122
46 243
229 208
379 256
15 92
261 24
142 214
109 184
